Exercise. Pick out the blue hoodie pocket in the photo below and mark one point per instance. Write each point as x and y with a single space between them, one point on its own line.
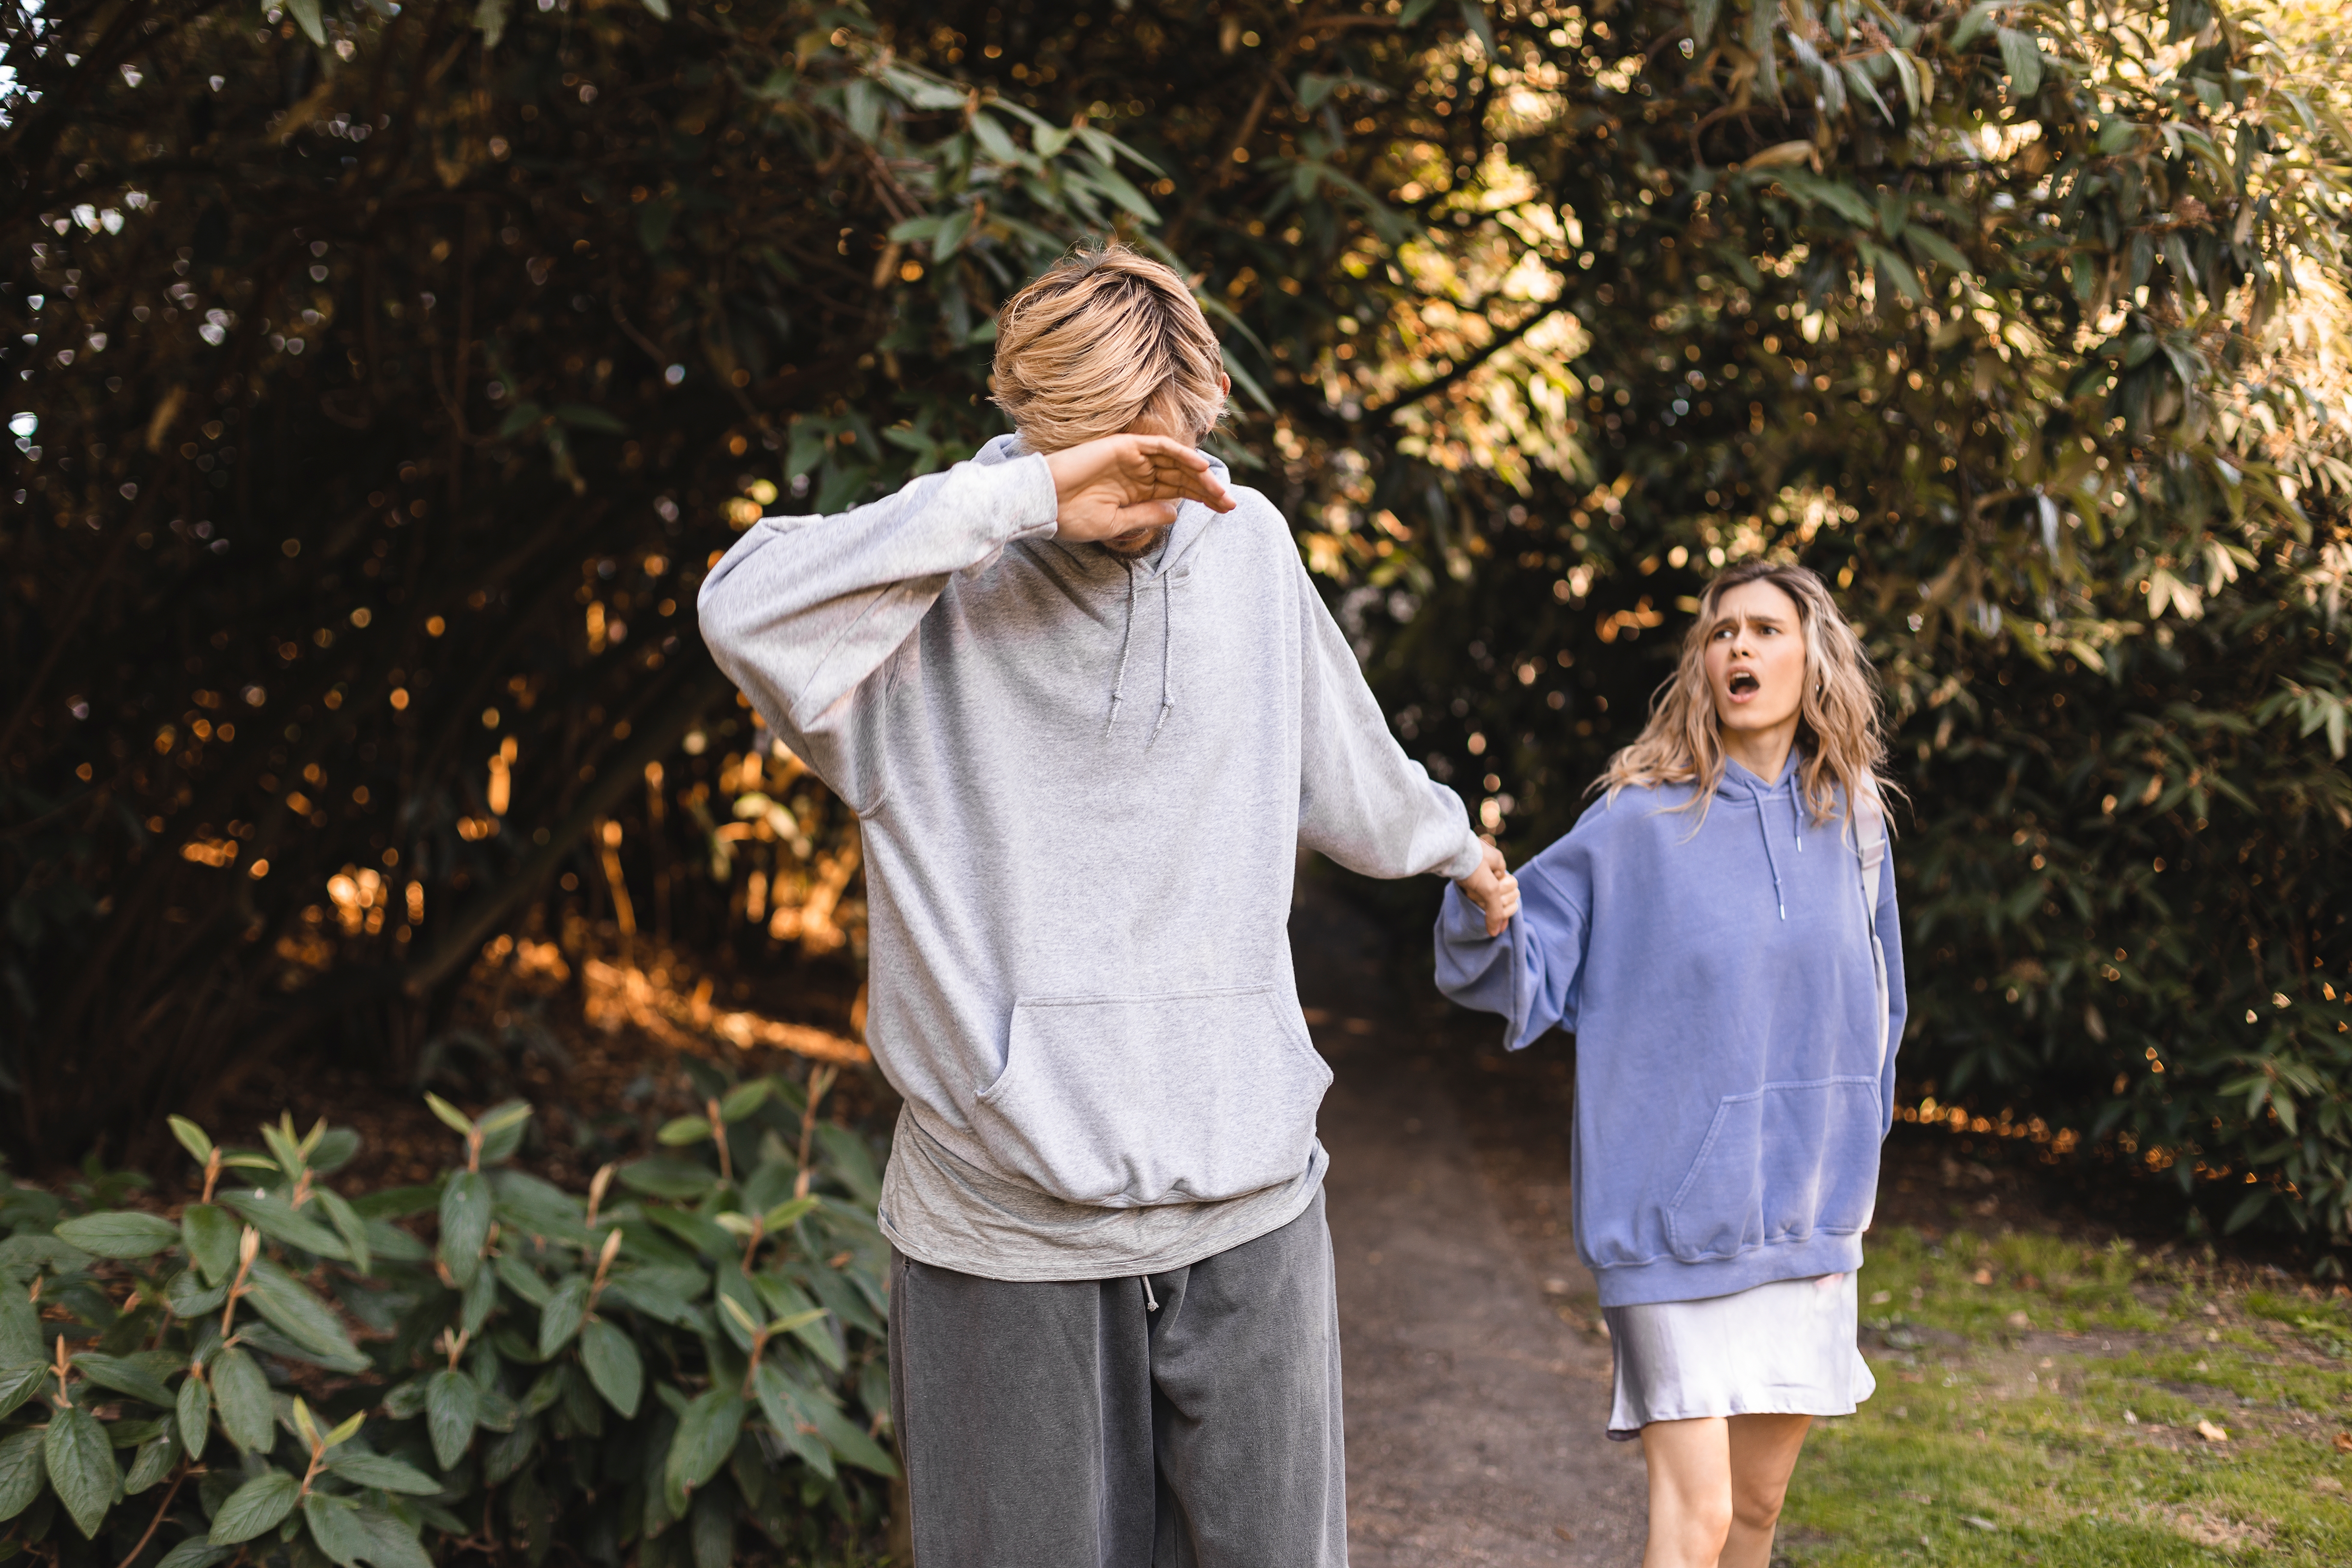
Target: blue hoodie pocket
1175 1097
1778 1164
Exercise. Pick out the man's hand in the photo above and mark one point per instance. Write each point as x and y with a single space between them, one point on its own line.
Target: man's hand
1494 890
1123 485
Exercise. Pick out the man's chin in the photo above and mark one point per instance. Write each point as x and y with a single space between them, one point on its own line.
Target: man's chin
1143 542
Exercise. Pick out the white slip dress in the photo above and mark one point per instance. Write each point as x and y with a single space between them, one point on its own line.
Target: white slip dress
1783 1349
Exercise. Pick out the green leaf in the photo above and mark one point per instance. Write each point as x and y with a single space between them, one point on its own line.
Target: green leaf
456 1120
80 1462
363 1468
1761 17
259 1506
1702 17
277 1219
745 1099
2022 58
21 1472
195 1552
348 1224
125 1233
210 1235
242 1395
464 1224
194 1413
20 1329
567 1305
397 1203
663 1177
189 1297
1972 26
152 1463
351 1533
123 1377
20 1383
306 15
490 16
784 1403
851 1441
453 1404
706 1435
658 8
611 1360
192 1138
681 1130
302 1317
1932 246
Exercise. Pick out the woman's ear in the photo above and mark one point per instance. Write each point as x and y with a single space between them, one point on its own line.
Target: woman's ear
1224 384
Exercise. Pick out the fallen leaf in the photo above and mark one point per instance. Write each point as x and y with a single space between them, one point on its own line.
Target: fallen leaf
1980 1523
2211 1432
1563 1533
2344 1442
2020 1321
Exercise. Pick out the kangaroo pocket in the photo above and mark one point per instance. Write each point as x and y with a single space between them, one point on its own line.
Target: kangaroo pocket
1778 1164
1126 1101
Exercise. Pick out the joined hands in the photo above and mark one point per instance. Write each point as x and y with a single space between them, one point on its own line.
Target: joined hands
1494 890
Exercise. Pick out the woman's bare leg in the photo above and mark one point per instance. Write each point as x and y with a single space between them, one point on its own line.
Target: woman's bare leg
1690 1492
1763 1450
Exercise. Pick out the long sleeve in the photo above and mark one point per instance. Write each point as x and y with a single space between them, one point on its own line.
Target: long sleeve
1361 801
1530 974
1889 923
803 610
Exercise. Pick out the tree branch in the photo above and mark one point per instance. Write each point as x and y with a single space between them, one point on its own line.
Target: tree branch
1437 384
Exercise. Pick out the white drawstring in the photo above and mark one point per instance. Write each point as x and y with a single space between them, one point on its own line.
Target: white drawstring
1127 641
1148 1295
1167 657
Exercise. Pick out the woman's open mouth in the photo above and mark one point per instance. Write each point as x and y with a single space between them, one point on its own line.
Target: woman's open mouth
1743 683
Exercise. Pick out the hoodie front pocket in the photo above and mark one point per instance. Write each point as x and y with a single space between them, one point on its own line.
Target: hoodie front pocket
1125 1102
1778 1164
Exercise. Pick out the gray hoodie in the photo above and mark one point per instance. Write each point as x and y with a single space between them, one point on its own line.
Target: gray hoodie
1082 783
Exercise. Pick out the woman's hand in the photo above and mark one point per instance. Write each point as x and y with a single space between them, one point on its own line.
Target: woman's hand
1121 485
1494 890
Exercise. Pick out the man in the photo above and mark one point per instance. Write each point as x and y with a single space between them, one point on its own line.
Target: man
1086 705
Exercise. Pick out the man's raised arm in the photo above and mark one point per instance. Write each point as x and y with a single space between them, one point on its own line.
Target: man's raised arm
804 609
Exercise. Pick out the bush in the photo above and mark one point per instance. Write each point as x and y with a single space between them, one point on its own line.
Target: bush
695 1347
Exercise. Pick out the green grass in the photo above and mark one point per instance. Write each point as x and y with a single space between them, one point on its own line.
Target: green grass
2040 1403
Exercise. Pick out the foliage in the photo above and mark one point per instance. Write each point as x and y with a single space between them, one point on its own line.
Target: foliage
694 1348
388 380
2022 322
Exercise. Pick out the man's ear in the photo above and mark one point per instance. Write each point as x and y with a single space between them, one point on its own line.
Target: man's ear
1224 384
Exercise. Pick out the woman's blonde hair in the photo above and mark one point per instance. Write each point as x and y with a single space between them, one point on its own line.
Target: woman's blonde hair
1105 339
1840 726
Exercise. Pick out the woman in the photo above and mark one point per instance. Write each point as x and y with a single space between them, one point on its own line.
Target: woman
1719 934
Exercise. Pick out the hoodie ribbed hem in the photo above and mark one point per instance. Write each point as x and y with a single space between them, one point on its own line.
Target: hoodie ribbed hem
1670 1279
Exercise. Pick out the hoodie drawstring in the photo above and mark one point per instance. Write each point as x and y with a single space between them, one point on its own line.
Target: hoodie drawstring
1779 896
1126 641
1151 1301
1167 664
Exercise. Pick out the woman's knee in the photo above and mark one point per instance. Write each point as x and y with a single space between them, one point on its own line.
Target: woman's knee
1757 1506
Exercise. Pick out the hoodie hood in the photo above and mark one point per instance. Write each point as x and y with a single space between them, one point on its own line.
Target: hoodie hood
1166 569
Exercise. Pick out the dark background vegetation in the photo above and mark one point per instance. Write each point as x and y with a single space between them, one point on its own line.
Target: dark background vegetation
384 381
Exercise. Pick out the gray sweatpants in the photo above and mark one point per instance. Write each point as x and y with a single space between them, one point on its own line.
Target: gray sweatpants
1068 1424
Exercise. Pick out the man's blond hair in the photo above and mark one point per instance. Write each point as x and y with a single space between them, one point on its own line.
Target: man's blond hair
1106 341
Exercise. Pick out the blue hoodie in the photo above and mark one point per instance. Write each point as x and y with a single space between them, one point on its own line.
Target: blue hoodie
1735 1041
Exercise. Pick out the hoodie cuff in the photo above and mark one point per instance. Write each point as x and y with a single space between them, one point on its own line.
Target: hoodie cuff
1460 921
1024 505
1466 859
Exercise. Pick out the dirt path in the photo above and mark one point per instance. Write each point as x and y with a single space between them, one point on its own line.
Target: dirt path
1477 1386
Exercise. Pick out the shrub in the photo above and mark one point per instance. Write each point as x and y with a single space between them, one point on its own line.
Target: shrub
694 1346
